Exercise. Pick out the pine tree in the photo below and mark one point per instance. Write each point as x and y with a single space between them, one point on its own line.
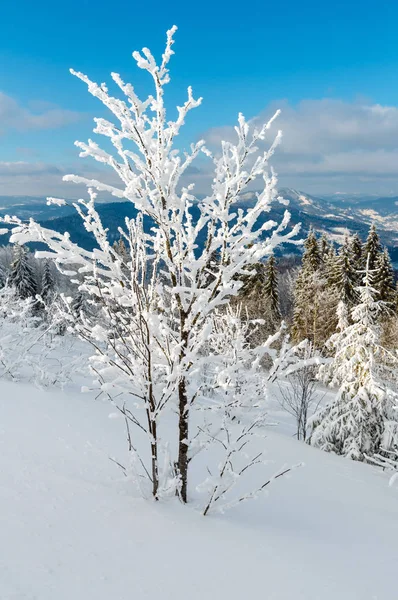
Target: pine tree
47 282
258 297
332 269
325 247
396 297
120 248
384 279
22 276
253 281
356 251
359 421
314 301
372 248
78 304
271 288
346 283
2 277
312 259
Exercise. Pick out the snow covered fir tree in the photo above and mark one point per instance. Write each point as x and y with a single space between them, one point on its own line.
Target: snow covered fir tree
362 420
22 276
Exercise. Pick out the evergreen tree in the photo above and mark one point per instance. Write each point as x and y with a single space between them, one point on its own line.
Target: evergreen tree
359 422
22 276
356 251
271 288
312 259
346 283
332 269
47 282
78 304
2 277
384 279
396 297
258 297
372 248
120 248
253 281
314 300
325 247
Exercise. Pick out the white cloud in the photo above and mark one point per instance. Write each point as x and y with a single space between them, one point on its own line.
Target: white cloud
330 144
13 116
327 146
22 178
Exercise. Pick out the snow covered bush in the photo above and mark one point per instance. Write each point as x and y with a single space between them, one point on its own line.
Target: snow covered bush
298 394
232 413
157 298
29 348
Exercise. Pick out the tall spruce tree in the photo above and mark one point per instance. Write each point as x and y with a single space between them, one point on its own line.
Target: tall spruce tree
332 269
312 259
372 248
308 294
78 304
356 250
22 275
253 281
2 277
271 288
361 420
384 279
346 283
120 248
258 297
325 247
47 282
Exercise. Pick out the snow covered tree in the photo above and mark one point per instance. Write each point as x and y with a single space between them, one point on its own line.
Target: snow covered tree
78 304
312 259
346 282
22 276
120 248
361 421
47 282
384 279
314 298
356 256
324 247
3 277
259 297
271 288
253 281
155 320
233 408
300 397
372 248
28 350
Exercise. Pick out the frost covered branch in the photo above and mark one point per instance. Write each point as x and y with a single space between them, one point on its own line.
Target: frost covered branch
155 299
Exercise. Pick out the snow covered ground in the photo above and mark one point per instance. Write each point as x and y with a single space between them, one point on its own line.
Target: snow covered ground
71 526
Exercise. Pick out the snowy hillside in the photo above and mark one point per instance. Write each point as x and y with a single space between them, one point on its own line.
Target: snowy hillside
71 526
194 346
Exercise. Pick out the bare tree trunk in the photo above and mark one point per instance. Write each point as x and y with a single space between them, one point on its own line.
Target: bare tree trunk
154 460
183 439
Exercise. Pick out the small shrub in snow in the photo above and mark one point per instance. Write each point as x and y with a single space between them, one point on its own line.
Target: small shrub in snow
29 348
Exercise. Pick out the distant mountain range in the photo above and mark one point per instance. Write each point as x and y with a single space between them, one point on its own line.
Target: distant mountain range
334 215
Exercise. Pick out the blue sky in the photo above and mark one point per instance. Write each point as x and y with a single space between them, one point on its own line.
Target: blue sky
331 66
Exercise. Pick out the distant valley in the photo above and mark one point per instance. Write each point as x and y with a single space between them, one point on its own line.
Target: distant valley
334 215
